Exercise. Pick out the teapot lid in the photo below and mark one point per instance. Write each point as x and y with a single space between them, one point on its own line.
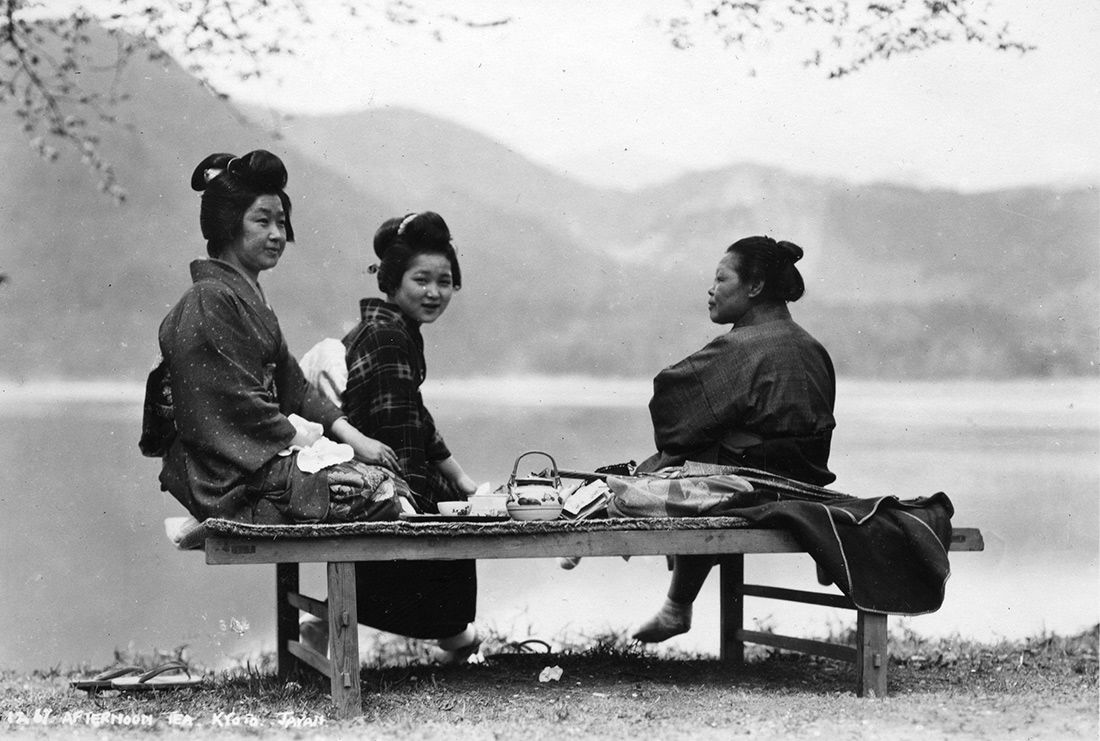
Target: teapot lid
535 480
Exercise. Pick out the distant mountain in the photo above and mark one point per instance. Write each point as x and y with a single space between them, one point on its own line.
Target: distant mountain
559 276
615 167
902 281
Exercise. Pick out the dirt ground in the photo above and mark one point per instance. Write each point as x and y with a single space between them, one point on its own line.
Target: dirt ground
1040 689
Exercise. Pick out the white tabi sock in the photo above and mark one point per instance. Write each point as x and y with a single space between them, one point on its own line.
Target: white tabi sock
672 619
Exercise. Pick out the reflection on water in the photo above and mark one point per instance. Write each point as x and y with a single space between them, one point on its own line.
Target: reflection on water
86 567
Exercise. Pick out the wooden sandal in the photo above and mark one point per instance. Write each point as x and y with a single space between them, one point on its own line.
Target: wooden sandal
103 680
154 679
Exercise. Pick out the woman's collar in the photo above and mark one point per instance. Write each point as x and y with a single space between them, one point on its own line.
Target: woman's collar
247 278
376 306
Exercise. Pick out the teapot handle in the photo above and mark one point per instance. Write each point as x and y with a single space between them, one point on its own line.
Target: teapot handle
515 467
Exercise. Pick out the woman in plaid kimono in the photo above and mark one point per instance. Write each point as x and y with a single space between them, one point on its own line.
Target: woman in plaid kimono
418 273
219 406
760 396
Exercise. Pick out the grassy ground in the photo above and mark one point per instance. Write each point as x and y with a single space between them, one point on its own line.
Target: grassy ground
1043 688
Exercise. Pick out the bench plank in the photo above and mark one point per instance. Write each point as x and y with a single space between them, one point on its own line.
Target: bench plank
967 539
235 549
228 549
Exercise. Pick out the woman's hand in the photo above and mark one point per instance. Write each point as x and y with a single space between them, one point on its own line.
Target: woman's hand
305 432
367 449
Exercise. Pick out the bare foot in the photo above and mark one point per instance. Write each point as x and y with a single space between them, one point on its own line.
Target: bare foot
314 634
458 654
671 620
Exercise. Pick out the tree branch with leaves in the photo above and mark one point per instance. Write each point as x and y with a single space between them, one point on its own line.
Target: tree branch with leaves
843 36
44 51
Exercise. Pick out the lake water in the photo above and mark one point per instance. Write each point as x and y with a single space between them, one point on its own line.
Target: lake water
86 567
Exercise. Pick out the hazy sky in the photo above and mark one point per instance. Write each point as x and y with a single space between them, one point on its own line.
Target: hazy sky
579 81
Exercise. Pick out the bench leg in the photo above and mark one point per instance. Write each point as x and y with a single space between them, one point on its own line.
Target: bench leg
871 654
286 617
731 576
343 625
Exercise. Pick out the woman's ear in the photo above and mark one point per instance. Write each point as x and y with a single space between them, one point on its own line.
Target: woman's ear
756 288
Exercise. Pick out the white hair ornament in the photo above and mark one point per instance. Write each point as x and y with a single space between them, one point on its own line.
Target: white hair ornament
404 223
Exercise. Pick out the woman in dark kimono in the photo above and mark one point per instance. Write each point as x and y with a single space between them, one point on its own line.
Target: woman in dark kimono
759 396
383 357
232 385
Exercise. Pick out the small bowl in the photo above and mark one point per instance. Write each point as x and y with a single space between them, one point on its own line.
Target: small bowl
534 511
453 509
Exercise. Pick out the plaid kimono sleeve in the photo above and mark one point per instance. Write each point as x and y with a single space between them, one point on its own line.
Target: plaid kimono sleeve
436 449
383 399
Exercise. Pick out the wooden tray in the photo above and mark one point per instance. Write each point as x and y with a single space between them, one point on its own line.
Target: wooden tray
454 518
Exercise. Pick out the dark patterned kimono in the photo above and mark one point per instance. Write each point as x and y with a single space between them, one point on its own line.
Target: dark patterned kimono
760 396
385 357
233 382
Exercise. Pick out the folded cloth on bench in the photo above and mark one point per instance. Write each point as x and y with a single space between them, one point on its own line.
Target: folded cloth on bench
697 496
887 555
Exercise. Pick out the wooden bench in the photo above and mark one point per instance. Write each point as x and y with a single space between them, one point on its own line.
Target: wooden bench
727 538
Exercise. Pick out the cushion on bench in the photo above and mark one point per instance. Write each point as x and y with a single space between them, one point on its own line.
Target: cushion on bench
434 528
187 533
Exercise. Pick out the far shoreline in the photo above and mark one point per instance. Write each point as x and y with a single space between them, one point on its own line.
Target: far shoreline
585 391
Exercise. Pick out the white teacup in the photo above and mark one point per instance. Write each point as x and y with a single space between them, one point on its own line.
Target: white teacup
454 509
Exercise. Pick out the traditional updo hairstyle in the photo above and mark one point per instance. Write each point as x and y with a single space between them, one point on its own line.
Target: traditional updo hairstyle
402 238
764 259
229 186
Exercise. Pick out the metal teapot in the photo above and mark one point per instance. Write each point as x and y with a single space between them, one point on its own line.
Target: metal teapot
534 489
